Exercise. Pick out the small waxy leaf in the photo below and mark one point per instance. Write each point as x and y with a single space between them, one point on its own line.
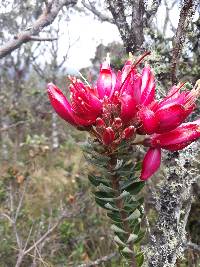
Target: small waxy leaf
123 195
102 203
141 234
139 259
96 180
117 229
133 187
137 228
104 195
114 216
119 241
105 188
138 166
127 250
136 214
110 207
132 238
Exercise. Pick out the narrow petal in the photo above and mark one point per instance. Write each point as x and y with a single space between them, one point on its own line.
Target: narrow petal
108 136
60 103
128 108
148 119
170 117
148 86
104 82
179 138
136 88
151 163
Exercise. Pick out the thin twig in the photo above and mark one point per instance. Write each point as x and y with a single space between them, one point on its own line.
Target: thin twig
100 261
6 128
48 15
186 13
91 7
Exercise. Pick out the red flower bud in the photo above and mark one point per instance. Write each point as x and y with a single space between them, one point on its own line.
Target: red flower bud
151 163
179 138
108 136
117 123
100 123
128 132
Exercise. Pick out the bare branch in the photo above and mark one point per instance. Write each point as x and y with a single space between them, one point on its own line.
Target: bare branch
39 39
186 14
154 8
50 230
100 261
91 7
193 246
47 17
12 125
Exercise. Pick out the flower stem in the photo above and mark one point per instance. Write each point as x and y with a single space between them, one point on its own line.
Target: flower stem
120 205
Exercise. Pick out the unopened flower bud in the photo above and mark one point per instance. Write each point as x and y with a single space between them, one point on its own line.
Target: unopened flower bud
117 123
108 136
128 132
100 123
151 163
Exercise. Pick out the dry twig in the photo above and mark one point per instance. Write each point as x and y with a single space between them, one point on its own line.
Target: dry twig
186 14
48 15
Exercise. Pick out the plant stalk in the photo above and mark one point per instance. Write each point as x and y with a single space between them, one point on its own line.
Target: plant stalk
120 204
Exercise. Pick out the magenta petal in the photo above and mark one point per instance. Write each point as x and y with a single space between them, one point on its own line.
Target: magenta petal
128 108
178 138
108 136
95 103
170 117
104 82
137 82
151 163
148 119
128 132
81 121
148 86
60 103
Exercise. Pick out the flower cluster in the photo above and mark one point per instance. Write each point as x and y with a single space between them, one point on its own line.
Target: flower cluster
122 106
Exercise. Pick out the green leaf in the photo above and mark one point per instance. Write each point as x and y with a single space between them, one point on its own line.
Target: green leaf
138 166
117 229
130 205
101 203
127 250
110 207
123 195
114 216
105 188
96 180
133 187
119 241
135 215
95 161
141 234
137 227
132 238
139 259
104 195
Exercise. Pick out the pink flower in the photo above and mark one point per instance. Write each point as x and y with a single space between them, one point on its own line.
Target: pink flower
123 104
151 163
177 139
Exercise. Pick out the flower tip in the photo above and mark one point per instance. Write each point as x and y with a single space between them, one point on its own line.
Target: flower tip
151 163
130 57
108 58
108 136
50 85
